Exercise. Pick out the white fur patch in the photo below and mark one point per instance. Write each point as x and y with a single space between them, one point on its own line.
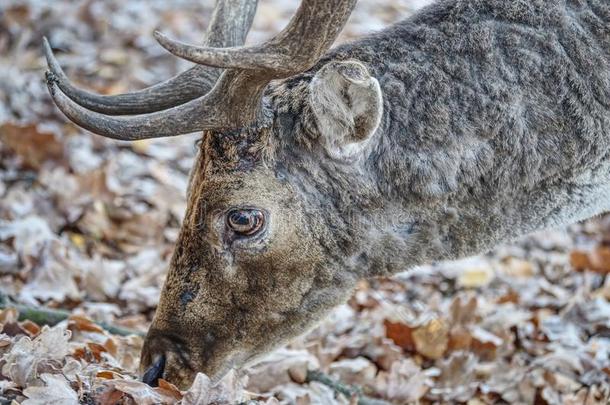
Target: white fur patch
347 103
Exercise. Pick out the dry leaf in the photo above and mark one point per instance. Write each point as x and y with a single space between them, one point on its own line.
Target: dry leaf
143 394
460 338
600 259
30 235
88 225
279 367
580 260
358 371
106 375
168 389
32 328
457 379
33 146
406 382
227 392
5 340
54 277
432 339
401 334
56 391
27 357
83 324
474 277
518 268
9 315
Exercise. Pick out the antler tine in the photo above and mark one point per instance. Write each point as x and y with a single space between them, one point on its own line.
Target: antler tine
177 90
235 100
206 112
188 117
309 34
229 26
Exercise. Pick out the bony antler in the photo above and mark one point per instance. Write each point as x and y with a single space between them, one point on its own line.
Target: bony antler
234 101
229 26
308 35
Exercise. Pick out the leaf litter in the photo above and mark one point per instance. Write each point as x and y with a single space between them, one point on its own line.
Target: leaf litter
88 225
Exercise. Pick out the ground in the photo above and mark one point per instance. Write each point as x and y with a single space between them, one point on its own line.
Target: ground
87 226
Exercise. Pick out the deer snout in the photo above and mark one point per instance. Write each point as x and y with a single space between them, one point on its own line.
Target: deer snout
166 356
154 371
178 359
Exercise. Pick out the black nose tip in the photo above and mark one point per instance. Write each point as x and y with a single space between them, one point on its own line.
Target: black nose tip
154 372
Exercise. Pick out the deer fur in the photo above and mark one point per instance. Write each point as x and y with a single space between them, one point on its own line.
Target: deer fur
495 122
471 123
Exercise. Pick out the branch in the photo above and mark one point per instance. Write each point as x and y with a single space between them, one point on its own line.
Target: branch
51 317
346 390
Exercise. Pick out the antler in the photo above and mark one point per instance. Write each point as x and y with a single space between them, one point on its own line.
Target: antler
309 34
235 100
229 26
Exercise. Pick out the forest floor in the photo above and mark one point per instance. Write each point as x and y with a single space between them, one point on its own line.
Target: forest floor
87 225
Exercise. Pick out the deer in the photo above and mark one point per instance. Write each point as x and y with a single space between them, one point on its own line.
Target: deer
468 124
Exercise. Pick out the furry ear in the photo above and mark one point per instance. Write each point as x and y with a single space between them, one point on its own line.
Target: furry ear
347 104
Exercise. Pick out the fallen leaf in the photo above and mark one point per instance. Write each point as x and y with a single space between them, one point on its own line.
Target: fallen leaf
432 339
54 278
32 328
474 277
105 374
457 380
580 260
83 324
141 393
56 391
9 315
227 391
33 146
358 371
5 340
400 334
406 382
168 389
518 268
460 338
279 367
27 357
600 259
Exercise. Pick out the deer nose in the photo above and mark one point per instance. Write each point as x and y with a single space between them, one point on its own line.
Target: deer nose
154 372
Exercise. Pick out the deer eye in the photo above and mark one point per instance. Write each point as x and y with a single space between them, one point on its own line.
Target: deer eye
246 222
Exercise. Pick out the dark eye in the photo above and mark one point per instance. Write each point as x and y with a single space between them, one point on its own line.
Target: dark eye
246 222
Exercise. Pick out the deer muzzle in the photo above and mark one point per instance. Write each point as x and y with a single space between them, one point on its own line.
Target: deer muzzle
153 373
177 359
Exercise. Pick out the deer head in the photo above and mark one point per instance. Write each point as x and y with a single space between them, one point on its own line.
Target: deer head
264 250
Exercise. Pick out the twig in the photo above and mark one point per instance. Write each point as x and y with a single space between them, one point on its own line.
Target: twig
348 391
51 317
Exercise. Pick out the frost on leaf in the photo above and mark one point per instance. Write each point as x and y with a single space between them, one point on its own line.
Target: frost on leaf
29 357
227 391
406 382
280 367
457 379
56 391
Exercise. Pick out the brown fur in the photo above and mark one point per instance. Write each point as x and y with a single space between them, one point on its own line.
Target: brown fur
495 121
225 302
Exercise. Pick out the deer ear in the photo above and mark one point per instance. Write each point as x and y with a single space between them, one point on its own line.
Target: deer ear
347 104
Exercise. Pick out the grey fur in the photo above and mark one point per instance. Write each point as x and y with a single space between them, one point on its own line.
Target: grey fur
495 122
347 107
